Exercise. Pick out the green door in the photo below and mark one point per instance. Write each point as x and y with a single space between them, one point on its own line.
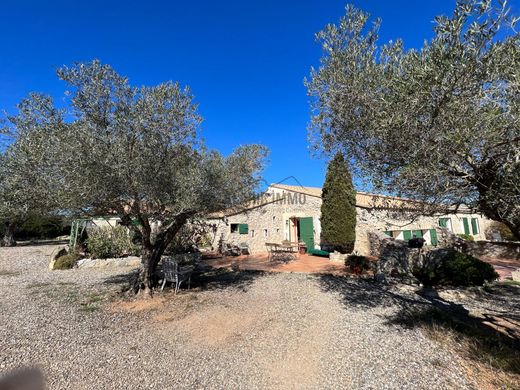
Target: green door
307 232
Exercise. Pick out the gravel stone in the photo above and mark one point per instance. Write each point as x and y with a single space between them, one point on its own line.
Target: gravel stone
254 331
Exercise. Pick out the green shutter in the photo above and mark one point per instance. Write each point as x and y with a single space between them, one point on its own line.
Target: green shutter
443 222
466 225
433 237
407 234
243 228
474 226
417 233
389 233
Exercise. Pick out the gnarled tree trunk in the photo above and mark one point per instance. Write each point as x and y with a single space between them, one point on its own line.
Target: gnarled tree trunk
152 253
8 238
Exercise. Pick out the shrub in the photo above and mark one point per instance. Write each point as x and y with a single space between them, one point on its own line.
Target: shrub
467 237
457 270
358 264
67 261
103 243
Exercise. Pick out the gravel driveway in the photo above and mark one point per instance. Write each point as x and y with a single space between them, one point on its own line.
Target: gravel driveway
235 330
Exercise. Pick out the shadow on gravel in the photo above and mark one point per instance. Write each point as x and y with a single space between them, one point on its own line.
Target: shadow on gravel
492 338
222 278
366 293
204 278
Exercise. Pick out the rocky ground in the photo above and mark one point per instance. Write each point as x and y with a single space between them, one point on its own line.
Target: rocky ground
232 330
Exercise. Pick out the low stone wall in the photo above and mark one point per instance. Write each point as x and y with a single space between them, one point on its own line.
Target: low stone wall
494 249
130 261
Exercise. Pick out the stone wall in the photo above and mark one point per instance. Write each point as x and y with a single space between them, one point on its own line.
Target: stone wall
499 250
268 223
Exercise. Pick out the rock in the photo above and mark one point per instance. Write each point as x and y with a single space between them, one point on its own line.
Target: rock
516 275
338 257
56 253
130 261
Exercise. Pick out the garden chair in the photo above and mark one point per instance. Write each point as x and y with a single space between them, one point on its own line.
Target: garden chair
175 273
244 248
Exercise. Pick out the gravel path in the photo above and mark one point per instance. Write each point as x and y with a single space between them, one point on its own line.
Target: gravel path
241 331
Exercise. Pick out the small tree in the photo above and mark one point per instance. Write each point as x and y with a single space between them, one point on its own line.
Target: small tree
338 208
439 124
135 152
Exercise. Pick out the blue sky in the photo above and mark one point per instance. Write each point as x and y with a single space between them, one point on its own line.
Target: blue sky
245 61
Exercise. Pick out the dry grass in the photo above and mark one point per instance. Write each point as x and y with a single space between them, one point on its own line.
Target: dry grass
491 358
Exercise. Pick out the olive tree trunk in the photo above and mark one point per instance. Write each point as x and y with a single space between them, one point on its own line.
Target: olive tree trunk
8 238
152 253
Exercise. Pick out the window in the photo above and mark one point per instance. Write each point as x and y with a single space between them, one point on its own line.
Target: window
265 233
445 223
234 228
252 233
474 226
274 218
407 234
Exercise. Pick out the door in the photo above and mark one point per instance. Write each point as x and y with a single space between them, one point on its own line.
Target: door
307 232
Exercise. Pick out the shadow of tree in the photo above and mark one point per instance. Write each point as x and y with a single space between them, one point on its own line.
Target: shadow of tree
204 278
221 278
493 337
360 292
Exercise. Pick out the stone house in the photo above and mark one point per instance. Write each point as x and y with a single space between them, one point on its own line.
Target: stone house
293 213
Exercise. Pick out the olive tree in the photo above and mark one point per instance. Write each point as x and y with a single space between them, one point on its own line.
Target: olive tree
24 186
439 124
136 152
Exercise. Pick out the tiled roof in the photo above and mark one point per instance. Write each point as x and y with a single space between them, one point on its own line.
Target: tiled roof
363 199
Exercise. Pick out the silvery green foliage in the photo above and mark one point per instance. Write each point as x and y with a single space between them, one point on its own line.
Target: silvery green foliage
25 186
130 151
136 151
438 124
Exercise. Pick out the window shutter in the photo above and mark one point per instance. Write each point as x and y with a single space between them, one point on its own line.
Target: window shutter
466 225
417 233
389 233
474 225
433 237
443 223
243 228
407 234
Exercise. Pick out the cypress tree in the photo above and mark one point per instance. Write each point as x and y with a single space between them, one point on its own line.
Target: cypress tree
338 208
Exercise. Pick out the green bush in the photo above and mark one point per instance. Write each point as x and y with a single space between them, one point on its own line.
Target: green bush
467 237
107 242
456 270
67 261
358 264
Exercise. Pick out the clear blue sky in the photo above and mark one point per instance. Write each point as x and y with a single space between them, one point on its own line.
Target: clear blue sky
245 61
